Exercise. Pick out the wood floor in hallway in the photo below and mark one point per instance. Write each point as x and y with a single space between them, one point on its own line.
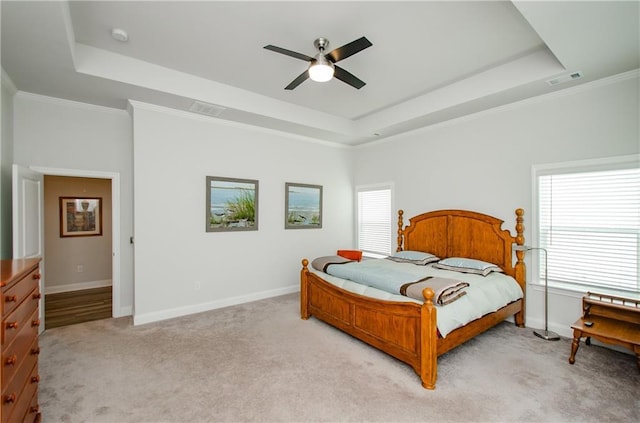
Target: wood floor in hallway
67 308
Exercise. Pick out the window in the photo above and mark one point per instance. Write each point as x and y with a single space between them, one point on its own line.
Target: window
588 220
374 220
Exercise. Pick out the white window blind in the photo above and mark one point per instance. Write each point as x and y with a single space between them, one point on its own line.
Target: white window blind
374 220
589 223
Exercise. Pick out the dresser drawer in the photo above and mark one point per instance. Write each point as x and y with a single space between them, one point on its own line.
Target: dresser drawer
14 295
16 403
21 370
33 413
19 318
24 345
20 280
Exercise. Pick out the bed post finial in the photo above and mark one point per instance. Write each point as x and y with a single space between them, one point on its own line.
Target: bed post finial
400 225
520 228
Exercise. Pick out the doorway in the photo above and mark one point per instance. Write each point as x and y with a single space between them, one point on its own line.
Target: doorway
28 223
78 250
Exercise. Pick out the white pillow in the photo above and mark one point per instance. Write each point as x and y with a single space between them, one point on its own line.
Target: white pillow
416 257
467 265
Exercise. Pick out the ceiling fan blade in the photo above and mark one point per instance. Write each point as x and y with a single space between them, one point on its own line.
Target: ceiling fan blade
348 78
289 53
299 80
348 50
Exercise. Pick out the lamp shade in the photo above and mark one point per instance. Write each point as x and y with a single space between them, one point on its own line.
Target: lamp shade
321 70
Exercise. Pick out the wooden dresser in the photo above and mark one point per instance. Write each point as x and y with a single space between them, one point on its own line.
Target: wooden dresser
20 322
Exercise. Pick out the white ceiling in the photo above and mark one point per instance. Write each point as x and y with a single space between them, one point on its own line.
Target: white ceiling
430 61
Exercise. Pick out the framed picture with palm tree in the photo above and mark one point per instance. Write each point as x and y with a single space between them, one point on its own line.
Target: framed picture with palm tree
232 204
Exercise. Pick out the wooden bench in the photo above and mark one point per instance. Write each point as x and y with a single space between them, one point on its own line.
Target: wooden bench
609 319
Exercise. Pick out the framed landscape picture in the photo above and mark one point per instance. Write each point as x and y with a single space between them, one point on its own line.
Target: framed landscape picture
80 216
303 206
232 204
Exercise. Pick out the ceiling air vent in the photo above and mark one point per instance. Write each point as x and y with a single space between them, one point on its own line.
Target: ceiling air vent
206 109
564 78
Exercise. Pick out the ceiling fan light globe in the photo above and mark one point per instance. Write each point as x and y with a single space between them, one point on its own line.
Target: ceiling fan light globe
321 72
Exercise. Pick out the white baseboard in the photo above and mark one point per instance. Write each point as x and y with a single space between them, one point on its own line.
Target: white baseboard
141 319
124 311
56 289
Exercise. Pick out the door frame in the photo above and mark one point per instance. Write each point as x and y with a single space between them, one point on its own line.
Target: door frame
115 223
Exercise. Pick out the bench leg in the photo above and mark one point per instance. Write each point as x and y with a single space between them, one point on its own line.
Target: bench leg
574 345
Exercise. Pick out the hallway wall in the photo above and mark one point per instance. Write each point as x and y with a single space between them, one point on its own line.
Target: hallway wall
80 262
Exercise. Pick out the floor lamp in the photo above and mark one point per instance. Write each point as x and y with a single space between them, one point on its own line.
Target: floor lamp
546 333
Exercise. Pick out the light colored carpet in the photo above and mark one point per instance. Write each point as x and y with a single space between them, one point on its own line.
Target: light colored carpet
259 362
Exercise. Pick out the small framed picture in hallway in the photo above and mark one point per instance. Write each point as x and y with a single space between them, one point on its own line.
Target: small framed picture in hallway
80 216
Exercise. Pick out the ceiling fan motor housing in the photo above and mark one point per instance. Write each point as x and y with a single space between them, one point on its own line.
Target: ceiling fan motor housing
321 44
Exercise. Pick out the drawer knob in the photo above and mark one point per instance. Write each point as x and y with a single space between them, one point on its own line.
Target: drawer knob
10 299
35 379
10 361
35 322
12 325
37 296
10 399
36 276
35 351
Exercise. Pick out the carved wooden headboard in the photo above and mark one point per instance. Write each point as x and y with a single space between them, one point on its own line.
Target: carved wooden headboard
462 233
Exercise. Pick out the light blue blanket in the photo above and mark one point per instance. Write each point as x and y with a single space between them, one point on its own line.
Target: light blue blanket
382 274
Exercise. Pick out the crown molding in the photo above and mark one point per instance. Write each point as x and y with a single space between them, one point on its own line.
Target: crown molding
69 103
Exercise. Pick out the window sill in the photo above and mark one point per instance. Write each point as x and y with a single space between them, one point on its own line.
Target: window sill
574 291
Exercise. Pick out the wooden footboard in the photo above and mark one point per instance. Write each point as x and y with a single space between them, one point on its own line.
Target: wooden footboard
406 331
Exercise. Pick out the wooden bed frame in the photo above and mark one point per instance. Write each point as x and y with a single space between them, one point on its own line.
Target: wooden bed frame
405 330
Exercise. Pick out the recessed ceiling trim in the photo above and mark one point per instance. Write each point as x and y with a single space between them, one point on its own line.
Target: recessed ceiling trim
533 67
116 67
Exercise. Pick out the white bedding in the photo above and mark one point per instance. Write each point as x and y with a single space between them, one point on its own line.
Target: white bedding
485 294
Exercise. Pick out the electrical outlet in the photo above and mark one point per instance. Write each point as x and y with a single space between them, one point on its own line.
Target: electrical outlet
197 285
80 268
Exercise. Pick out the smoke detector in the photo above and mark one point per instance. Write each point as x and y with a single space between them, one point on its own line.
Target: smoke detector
119 35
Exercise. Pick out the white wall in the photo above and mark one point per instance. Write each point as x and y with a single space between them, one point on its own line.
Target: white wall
180 268
483 162
60 134
6 159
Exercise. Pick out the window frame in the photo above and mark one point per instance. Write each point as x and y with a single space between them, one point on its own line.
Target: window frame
571 167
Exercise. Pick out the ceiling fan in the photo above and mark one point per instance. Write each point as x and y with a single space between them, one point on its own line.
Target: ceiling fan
322 67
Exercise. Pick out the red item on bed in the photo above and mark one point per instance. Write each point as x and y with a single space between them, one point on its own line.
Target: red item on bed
350 254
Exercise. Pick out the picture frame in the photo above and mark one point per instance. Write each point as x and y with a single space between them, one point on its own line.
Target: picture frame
80 216
303 206
231 204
